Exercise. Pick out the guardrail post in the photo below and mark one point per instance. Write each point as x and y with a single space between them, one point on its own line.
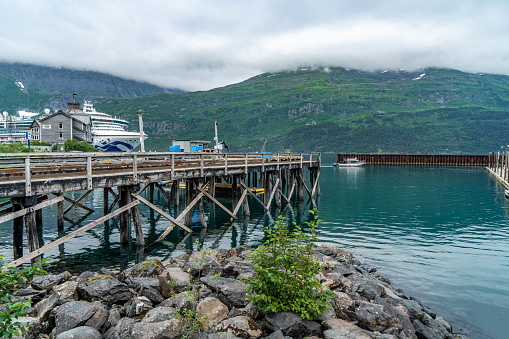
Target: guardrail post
245 171
300 156
201 164
172 167
135 169
89 173
28 178
225 164
277 154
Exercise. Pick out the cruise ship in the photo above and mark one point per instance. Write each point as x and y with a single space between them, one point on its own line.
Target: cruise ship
15 128
109 134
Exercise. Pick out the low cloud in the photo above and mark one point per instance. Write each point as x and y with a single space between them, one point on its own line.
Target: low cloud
198 45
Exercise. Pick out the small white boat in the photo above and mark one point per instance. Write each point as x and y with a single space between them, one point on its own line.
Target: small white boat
351 162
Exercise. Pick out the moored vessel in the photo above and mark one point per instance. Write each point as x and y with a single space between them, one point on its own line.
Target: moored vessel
109 134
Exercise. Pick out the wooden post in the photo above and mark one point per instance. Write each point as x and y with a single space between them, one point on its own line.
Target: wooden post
60 213
123 191
30 227
318 183
278 190
151 193
213 186
266 186
176 196
38 220
234 190
189 199
135 213
17 230
105 200
245 203
300 184
201 210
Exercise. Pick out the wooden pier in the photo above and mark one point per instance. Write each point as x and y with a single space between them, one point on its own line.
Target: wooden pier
31 180
419 159
498 166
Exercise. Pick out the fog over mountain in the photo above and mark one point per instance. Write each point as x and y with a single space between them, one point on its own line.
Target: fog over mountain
198 45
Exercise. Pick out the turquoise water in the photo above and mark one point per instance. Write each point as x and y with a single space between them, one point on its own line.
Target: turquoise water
438 233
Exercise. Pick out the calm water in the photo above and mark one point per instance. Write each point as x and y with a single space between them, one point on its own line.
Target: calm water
438 233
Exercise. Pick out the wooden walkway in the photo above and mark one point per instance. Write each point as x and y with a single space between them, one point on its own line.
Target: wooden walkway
498 166
29 180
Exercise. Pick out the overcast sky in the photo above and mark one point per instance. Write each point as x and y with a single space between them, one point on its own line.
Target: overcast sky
199 45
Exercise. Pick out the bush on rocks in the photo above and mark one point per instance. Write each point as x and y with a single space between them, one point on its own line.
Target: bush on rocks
286 272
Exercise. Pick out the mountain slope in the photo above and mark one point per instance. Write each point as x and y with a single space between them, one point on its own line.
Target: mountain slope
337 110
35 88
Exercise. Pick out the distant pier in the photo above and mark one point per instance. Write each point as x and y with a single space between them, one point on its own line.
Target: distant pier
419 159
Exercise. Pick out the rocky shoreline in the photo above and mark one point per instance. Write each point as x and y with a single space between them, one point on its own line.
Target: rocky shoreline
148 299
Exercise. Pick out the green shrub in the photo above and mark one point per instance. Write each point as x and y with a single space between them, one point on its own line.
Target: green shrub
15 147
10 280
75 145
286 272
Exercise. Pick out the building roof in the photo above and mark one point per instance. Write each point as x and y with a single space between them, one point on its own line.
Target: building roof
84 118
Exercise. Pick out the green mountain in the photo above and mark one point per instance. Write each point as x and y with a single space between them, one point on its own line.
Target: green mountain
35 88
335 110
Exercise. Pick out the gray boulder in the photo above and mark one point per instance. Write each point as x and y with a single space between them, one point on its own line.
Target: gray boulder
367 289
81 332
213 310
169 329
221 335
204 266
240 326
122 330
159 314
341 329
106 289
68 291
232 292
342 304
100 317
148 287
36 328
372 317
147 268
73 314
424 332
138 306
293 325
44 307
173 280
47 281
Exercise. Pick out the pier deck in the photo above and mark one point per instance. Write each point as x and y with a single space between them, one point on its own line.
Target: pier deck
29 179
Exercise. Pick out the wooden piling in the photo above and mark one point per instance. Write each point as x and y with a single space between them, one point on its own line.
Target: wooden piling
105 200
135 213
30 226
17 229
234 190
60 213
189 199
124 200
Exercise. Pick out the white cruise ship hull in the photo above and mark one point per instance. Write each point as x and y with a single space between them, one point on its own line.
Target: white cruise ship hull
124 142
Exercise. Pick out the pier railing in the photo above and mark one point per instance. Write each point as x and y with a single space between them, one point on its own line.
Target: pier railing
498 166
27 174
